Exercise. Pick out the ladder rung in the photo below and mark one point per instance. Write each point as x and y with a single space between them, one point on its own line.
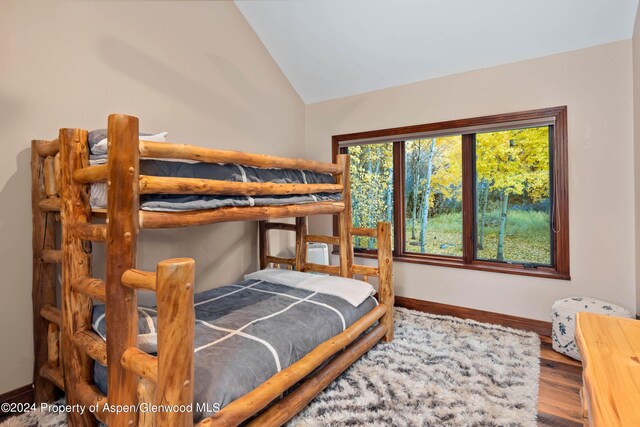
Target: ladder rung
140 363
53 345
57 170
91 287
52 314
368 232
54 375
315 238
49 148
92 344
51 204
50 177
90 174
93 232
365 270
280 226
139 279
53 256
278 260
320 268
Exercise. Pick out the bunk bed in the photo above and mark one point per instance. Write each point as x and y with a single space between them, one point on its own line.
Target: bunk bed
67 345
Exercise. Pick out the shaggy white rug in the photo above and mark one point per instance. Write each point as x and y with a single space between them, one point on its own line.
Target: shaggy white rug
438 371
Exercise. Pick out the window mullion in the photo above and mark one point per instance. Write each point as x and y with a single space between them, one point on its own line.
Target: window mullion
468 197
398 197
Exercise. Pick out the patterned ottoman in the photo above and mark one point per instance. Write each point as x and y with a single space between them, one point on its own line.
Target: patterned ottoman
563 316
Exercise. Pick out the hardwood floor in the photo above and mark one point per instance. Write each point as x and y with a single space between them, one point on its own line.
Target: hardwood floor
560 384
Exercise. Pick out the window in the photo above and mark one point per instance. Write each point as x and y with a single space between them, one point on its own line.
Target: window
433 195
371 167
513 219
488 193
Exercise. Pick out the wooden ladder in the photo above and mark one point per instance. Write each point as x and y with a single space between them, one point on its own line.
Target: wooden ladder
59 202
47 318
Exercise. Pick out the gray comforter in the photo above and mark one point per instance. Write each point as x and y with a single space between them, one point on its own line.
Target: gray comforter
229 172
247 332
223 172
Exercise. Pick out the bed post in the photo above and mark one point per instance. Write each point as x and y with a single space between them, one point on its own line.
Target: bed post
301 244
176 333
122 236
263 244
76 263
344 219
43 290
385 284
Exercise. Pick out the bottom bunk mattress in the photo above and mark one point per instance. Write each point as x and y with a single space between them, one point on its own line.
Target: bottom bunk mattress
245 333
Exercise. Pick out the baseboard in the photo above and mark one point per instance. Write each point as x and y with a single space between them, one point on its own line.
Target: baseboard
538 326
20 395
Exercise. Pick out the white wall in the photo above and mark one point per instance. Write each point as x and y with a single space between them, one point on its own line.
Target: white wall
195 69
595 85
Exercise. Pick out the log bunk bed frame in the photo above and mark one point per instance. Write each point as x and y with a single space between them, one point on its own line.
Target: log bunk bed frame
65 344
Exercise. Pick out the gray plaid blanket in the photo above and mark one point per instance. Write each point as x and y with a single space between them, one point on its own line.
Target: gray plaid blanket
247 332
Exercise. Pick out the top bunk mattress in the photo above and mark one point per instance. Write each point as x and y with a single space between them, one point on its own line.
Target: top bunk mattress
247 332
223 172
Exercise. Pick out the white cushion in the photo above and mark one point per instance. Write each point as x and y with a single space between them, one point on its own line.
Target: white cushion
101 147
563 316
351 290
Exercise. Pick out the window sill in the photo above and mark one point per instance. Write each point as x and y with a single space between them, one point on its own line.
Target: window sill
541 272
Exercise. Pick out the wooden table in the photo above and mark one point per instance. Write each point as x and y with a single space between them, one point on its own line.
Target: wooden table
610 349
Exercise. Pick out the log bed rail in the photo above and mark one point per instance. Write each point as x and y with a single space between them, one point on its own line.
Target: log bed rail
65 344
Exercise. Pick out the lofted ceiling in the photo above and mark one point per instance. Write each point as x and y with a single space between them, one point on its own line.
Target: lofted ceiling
335 48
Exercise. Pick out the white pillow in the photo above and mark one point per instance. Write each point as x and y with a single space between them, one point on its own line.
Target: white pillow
101 146
355 292
280 276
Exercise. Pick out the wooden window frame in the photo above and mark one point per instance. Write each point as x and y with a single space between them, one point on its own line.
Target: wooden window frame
559 182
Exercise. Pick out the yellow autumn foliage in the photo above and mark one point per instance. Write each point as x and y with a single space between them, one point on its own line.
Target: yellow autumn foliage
515 161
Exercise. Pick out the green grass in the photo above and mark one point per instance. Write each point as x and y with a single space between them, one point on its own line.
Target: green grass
527 236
